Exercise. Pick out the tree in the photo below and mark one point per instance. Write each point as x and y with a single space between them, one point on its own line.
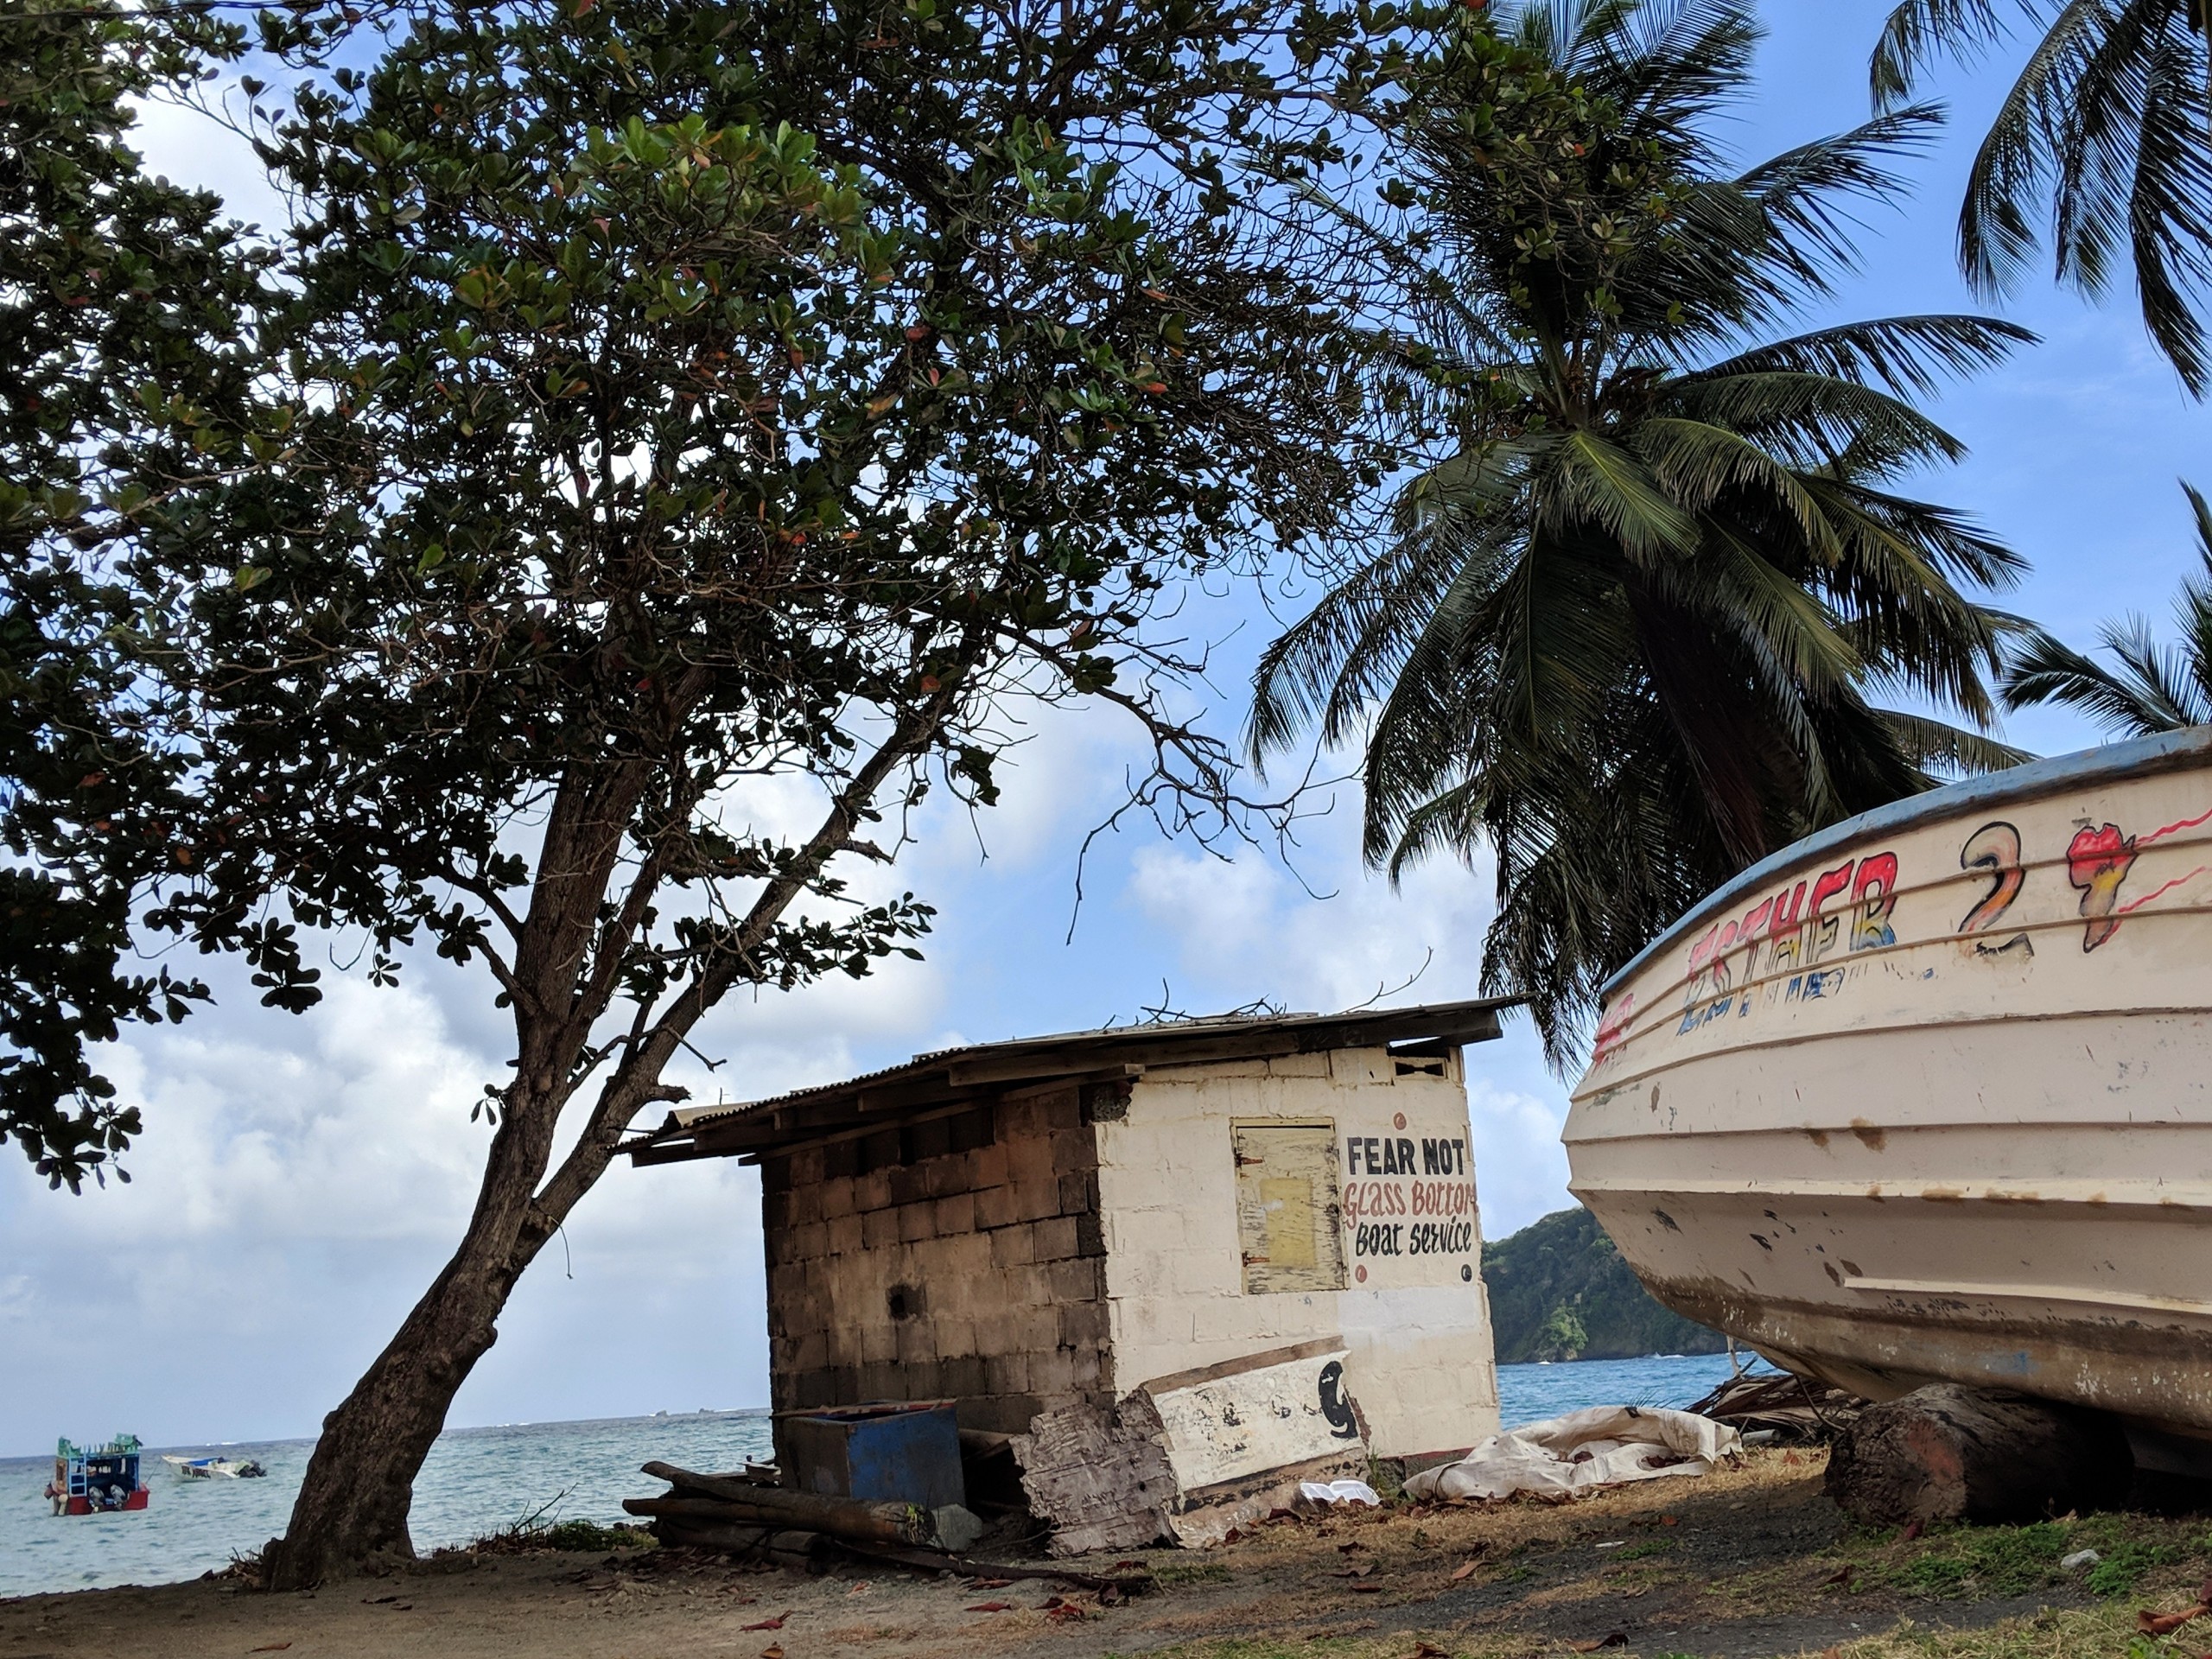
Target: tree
2154 688
125 305
2105 134
1626 629
654 399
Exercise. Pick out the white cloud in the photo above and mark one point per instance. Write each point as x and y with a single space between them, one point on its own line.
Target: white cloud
191 146
1323 933
1520 1166
1247 929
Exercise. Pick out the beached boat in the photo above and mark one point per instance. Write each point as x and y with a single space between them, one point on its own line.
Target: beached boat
1928 1096
213 1468
93 1480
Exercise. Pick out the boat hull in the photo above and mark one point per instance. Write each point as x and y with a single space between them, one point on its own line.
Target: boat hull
1929 1098
134 1500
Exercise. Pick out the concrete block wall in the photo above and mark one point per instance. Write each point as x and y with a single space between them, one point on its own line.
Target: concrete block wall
1416 1325
958 1258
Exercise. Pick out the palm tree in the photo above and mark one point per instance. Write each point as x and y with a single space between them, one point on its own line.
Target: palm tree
2106 133
2153 689
1623 630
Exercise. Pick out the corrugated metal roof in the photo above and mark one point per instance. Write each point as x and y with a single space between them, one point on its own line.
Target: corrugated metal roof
930 1079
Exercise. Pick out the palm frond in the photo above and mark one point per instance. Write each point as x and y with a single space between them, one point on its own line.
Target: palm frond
1937 746
2157 675
2013 169
1592 477
1909 356
2169 219
1917 31
2041 669
1806 194
2193 605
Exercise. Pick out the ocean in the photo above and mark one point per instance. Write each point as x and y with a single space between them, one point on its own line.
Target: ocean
480 1480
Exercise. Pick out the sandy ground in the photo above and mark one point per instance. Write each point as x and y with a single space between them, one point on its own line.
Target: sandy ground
1749 1561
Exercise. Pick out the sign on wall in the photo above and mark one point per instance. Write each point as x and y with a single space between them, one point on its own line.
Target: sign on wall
1409 1198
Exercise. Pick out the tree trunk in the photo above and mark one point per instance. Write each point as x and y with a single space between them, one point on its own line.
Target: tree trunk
1949 1453
360 1478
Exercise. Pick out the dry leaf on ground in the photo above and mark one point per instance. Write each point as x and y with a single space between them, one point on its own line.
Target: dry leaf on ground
992 1607
1610 1639
775 1623
2149 1624
1462 1570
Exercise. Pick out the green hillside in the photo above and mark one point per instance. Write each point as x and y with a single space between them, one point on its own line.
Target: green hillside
1559 1290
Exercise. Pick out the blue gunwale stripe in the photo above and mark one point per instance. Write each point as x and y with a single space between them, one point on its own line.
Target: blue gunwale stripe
2141 757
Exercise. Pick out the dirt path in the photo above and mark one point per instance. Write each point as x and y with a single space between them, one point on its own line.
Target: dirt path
1749 1563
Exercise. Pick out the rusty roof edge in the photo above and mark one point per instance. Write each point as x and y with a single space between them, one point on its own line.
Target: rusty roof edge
1451 1020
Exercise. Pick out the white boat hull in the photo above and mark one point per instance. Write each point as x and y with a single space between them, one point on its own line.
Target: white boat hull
1950 1117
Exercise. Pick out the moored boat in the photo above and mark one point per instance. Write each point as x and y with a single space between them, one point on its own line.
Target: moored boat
213 1468
94 1479
1928 1096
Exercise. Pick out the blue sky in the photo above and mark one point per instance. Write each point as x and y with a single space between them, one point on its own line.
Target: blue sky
301 1179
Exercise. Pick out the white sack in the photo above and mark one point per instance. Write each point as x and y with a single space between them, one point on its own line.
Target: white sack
1600 1446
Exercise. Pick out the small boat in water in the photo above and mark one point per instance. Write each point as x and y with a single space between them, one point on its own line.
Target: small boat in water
93 1480
1928 1096
213 1468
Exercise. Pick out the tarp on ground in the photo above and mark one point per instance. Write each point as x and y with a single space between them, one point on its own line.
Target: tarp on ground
1600 1446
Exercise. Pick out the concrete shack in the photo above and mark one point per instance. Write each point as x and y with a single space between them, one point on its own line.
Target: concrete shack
1061 1221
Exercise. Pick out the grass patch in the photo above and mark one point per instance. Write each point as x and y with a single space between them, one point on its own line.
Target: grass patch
589 1536
1174 1573
1968 1562
1989 1560
536 1529
1642 1547
2106 1632
1395 1645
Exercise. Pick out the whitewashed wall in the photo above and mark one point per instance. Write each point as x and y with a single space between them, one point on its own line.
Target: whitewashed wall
1417 1325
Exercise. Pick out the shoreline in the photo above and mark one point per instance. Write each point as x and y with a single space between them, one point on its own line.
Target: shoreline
1750 1561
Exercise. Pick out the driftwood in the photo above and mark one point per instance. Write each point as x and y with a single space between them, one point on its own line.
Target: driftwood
803 1549
1949 1453
1789 1408
742 1502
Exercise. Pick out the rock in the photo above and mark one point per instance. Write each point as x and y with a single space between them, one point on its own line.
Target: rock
2078 1559
1949 1453
956 1528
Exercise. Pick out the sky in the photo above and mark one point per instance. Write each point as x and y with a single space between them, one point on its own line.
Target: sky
302 1179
